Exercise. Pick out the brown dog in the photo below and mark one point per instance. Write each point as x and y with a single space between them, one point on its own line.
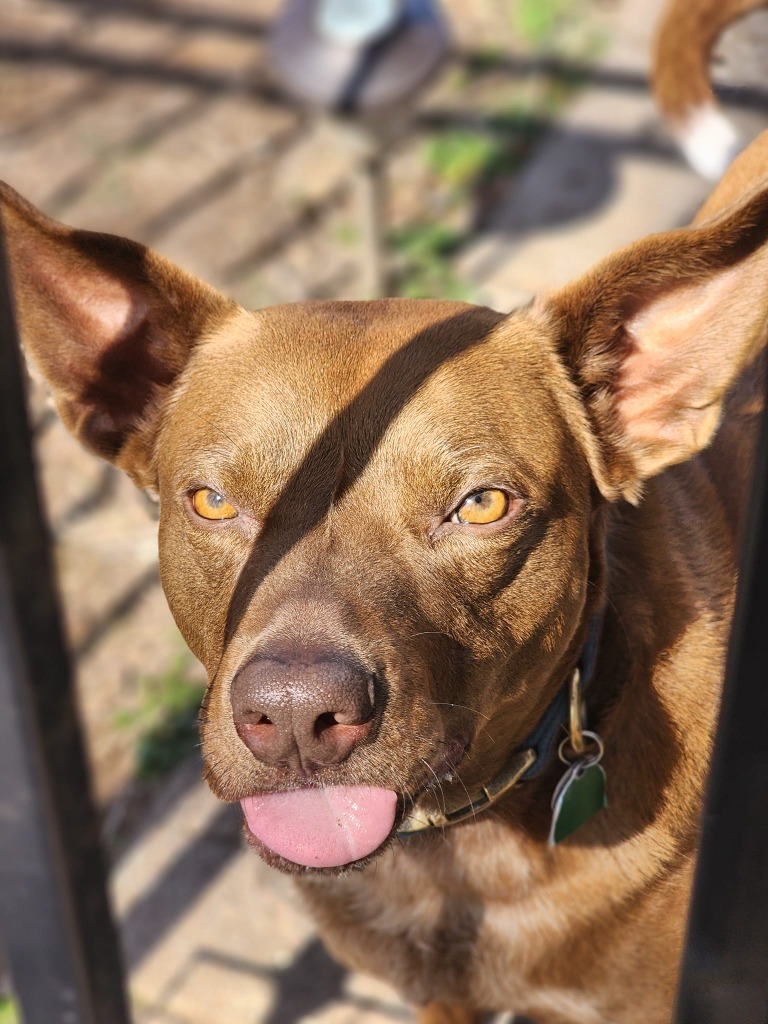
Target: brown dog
387 530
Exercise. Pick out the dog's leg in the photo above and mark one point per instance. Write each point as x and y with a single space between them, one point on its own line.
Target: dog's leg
446 1013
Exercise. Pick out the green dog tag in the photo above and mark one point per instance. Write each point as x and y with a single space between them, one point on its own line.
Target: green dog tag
580 794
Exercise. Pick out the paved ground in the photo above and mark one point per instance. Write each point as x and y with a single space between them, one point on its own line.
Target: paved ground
157 120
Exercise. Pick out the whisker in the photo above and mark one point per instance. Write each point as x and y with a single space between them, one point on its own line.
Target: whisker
469 798
466 707
400 785
439 783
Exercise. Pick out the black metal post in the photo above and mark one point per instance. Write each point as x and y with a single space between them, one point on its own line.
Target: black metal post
54 911
724 976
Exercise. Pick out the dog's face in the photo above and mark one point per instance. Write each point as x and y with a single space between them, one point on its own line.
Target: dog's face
405 545
380 521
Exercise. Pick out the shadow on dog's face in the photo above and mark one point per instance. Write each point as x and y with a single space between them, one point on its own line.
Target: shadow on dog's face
374 533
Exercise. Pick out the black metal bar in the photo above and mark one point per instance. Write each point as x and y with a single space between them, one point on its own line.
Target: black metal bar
724 976
54 911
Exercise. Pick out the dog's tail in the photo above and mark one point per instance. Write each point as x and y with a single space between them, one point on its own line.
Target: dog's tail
687 33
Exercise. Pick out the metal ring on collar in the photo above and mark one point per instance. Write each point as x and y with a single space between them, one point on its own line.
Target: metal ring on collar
591 759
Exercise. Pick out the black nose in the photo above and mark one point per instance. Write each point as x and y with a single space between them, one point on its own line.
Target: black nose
305 710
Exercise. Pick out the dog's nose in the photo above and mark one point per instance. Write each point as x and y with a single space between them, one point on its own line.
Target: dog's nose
303 711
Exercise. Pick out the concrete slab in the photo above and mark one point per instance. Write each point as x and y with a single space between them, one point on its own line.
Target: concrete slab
640 195
607 175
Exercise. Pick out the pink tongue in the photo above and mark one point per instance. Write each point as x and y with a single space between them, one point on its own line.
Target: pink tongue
322 828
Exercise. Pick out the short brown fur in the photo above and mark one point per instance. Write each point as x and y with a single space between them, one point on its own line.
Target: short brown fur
620 415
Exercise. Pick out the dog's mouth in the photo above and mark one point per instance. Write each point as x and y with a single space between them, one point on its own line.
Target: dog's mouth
332 827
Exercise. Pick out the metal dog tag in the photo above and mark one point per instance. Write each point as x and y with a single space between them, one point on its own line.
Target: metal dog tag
580 794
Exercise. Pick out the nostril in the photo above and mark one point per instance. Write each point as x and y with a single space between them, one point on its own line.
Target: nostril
255 729
253 718
341 719
325 721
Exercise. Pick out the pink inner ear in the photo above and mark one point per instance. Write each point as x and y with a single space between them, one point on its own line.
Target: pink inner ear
678 365
96 309
108 356
113 310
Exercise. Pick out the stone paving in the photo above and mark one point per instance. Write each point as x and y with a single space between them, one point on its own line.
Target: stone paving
158 121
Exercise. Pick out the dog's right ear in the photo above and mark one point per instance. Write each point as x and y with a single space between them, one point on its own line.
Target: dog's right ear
110 325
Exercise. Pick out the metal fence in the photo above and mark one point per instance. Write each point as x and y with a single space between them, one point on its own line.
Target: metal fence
61 940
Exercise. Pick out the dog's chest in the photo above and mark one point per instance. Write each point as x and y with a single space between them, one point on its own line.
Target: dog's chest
468 921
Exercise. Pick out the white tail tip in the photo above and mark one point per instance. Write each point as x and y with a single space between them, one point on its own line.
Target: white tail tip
709 141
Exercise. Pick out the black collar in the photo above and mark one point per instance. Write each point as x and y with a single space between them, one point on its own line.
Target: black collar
529 759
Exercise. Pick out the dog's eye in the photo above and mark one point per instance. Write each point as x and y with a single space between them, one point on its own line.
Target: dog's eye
211 505
482 507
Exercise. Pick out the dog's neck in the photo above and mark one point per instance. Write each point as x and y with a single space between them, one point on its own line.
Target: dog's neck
530 758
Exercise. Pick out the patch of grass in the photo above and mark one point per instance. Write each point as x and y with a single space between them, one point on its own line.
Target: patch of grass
423 252
8 1012
458 158
463 159
165 720
463 162
559 29
538 21
475 163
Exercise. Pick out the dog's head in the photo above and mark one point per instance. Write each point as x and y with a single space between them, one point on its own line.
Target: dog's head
380 522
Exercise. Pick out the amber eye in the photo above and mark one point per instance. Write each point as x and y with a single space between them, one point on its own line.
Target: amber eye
482 507
211 505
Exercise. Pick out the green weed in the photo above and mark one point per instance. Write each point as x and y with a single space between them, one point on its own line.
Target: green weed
165 720
8 1012
459 158
474 164
423 252
538 21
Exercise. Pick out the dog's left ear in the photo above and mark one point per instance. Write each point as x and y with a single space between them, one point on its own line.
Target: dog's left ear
655 336
109 323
